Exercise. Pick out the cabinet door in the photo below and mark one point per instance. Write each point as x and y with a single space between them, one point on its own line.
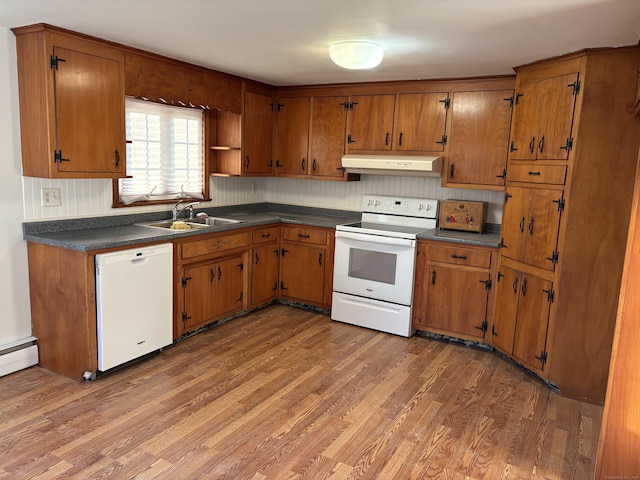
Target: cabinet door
293 136
302 274
457 300
89 103
264 276
514 221
370 122
542 228
479 137
199 296
557 101
228 290
421 120
506 309
526 119
533 319
257 134
328 124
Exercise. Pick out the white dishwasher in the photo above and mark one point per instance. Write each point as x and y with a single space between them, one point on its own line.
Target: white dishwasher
134 297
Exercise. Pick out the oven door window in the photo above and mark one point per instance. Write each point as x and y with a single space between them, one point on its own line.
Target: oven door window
372 265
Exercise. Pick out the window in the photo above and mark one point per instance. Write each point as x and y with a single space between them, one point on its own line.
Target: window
164 157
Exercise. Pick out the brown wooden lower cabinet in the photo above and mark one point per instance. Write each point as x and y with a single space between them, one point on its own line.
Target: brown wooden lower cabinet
453 289
521 317
265 261
63 309
306 265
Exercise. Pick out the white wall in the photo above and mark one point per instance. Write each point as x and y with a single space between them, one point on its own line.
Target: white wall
15 319
82 198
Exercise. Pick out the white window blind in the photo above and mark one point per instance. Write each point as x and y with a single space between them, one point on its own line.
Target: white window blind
164 158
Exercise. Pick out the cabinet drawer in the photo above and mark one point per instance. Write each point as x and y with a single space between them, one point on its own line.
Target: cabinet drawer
208 246
552 174
305 235
460 256
264 235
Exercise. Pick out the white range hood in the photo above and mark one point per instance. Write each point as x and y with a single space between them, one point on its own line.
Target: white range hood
408 165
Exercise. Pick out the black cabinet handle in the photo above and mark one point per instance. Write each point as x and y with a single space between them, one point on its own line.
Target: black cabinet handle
246 165
117 158
400 139
522 225
304 235
266 235
531 226
320 259
219 273
433 277
313 166
541 144
303 164
257 258
386 139
213 275
452 171
532 144
524 288
515 285
458 257
534 174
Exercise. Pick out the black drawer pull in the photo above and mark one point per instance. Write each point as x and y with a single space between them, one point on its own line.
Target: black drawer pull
459 257
535 174
266 235
304 235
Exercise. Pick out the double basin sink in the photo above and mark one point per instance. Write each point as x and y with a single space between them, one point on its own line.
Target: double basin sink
190 224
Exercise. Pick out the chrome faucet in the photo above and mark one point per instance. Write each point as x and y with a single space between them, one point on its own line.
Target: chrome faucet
177 211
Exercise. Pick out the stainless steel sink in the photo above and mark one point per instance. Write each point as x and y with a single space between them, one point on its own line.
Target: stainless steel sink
196 223
169 225
214 221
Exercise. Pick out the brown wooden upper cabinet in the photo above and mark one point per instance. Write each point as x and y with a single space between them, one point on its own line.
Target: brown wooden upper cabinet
543 118
311 137
257 134
479 138
293 135
72 117
406 122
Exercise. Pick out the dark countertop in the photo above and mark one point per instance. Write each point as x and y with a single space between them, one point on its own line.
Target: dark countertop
101 233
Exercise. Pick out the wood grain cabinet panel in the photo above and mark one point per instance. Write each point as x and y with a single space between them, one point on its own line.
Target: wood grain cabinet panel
370 122
531 221
543 118
264 273
257 133
420 122
327 142
306 265
72 113
479 138
293 135
452 293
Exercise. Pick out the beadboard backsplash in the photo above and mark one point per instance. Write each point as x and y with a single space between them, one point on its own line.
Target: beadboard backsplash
89 198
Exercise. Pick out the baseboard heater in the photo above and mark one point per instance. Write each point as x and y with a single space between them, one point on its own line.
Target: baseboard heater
18 355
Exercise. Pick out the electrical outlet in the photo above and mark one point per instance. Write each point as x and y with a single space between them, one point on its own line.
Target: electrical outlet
51 197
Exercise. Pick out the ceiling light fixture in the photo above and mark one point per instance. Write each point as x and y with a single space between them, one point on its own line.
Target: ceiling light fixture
356 55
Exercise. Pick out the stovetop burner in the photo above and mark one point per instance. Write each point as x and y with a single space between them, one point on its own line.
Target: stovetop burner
394 216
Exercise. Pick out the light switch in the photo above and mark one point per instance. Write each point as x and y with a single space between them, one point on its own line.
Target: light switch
51 197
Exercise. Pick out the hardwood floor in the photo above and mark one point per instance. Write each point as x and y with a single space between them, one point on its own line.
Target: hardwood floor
288 394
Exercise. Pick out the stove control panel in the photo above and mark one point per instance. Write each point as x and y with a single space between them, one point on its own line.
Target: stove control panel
403 206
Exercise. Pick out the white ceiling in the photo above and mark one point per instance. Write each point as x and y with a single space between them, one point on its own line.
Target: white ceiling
284 42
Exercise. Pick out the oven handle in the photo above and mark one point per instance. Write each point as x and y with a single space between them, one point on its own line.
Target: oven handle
363 237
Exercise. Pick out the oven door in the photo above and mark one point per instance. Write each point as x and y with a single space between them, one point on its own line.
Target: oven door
374 266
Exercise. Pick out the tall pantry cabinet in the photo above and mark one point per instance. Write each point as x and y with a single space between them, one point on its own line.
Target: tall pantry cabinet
569 186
